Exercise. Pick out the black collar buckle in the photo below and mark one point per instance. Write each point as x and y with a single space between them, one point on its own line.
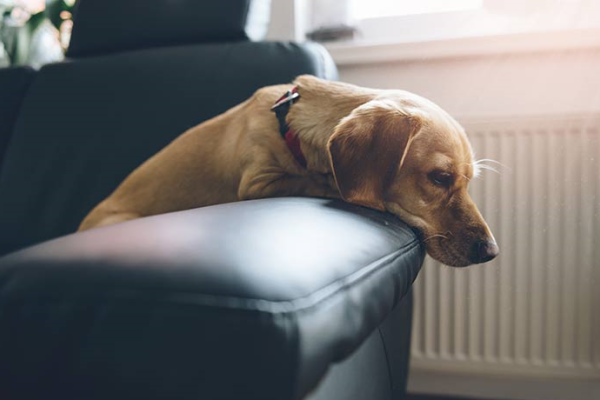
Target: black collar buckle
282 107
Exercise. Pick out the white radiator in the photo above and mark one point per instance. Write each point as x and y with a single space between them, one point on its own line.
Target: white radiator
535 311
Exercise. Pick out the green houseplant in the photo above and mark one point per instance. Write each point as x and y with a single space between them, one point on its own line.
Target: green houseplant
31 31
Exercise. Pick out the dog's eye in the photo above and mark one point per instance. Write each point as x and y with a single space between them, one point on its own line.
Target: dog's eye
443 179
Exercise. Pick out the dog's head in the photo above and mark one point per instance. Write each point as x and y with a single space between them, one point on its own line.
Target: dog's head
403 154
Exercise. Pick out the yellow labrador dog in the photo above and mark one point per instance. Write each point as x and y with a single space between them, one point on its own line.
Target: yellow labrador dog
389 150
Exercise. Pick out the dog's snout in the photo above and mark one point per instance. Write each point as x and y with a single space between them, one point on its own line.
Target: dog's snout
484 251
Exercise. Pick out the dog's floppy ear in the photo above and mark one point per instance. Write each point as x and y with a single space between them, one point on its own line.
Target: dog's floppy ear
368 147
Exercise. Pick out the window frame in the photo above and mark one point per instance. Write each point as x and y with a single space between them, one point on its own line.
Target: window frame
489 30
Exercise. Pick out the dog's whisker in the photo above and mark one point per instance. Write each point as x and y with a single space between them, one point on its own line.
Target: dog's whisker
488 167
484 160
434 236
480 165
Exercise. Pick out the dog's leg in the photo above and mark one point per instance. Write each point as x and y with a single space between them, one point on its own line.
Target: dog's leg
95 221
273 183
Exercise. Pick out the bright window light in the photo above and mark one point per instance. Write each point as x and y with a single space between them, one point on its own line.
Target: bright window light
363 9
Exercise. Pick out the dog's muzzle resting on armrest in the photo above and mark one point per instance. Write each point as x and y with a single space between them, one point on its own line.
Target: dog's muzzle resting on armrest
389 150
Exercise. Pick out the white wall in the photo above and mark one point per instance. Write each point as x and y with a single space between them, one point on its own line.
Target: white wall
289 19
501 85
506 84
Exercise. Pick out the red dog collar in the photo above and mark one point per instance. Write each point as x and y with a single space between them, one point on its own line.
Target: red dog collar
281 109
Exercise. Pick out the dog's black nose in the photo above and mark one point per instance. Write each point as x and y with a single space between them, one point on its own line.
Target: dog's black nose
484 251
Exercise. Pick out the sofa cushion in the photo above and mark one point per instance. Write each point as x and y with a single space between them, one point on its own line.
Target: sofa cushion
86 124
107 26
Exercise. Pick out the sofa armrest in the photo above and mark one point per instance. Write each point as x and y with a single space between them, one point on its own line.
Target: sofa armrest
250 300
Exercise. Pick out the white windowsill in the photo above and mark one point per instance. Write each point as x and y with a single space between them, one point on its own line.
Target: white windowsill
355 53
494 29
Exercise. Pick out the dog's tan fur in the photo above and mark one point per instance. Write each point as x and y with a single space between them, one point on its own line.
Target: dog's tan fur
376 148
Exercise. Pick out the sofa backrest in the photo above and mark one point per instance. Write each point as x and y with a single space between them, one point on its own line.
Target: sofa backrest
110 26
86 123
13 86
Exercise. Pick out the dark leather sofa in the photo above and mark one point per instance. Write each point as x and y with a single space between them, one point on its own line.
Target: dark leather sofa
291 298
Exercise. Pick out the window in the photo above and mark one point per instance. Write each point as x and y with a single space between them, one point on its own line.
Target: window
388 30
382 8
420 20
